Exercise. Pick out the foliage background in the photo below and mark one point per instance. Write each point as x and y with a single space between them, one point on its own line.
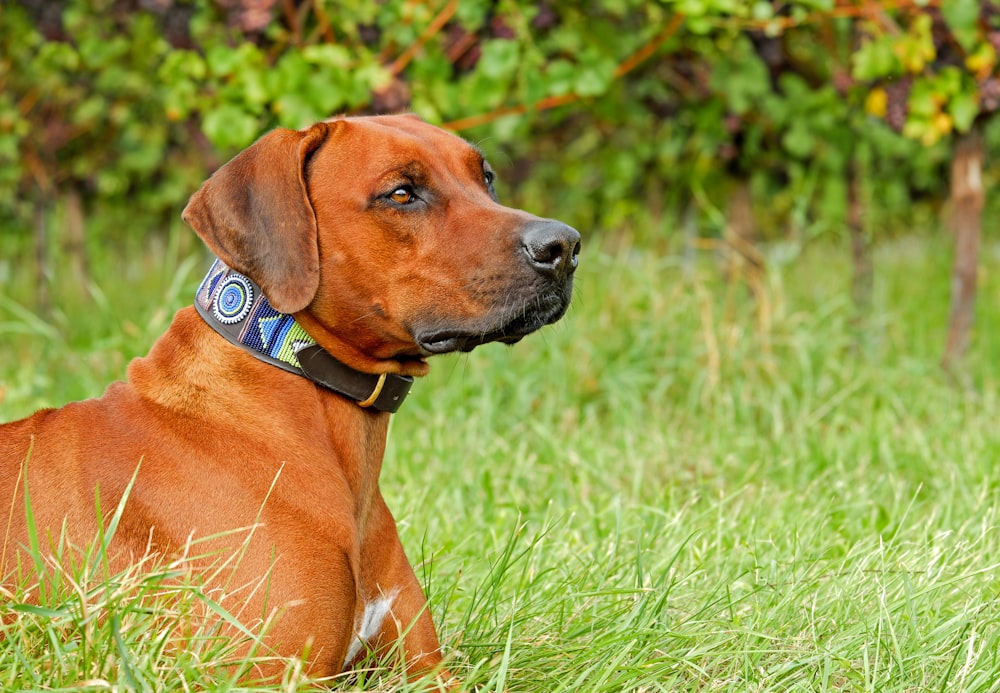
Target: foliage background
617 111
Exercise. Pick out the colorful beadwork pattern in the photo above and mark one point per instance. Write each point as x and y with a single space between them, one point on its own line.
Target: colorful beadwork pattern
237 309
234 299
237 303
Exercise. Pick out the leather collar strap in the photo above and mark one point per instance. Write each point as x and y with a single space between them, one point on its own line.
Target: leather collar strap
236 308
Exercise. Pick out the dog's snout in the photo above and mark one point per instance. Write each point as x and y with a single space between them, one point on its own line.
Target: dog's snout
551 246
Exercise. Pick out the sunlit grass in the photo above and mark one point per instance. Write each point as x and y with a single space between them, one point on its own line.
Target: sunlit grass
669 490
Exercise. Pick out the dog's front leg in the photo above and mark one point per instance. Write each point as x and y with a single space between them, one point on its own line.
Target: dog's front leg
395 610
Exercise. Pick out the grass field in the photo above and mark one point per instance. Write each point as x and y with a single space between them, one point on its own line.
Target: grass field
675 488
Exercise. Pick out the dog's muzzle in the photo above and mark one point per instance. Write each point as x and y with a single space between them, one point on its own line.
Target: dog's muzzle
532 299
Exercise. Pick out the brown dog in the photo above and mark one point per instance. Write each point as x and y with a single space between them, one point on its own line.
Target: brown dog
349 252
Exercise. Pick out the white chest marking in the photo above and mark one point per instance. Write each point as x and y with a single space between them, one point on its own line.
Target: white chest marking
370 623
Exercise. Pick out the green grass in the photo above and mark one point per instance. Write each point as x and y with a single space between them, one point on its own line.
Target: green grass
669 490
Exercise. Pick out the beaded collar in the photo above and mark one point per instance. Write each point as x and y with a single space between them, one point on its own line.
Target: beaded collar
234 305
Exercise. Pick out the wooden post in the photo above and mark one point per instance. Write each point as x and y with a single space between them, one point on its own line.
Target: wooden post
967 197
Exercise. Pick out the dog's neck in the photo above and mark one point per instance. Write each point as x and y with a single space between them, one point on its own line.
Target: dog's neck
236 308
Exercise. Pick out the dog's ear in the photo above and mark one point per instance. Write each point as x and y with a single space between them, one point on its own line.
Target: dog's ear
255 215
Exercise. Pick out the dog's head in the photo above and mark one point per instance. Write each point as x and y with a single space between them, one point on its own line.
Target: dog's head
385 239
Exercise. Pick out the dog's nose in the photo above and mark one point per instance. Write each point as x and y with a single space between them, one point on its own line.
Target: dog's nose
552 247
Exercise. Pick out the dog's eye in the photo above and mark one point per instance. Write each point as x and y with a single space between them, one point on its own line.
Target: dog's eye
403 195
488 178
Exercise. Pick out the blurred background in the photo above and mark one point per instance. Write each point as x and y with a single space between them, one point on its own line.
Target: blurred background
760 451
687 126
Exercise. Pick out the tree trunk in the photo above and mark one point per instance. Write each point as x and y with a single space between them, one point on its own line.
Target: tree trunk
862 280
75 246
689 228
42 293
742 257
967 198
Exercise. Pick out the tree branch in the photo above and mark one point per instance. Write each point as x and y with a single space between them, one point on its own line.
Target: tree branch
442 18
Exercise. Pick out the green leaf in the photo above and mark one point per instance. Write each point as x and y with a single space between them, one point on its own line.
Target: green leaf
296 109
591 82
962 17
372 75
181 65
875 59
949 80
762 10
534 86
559 75
44 612
229 126
328 55
924 100
692 8
742 82
594 75
798 141
500 59
963 109
223 60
